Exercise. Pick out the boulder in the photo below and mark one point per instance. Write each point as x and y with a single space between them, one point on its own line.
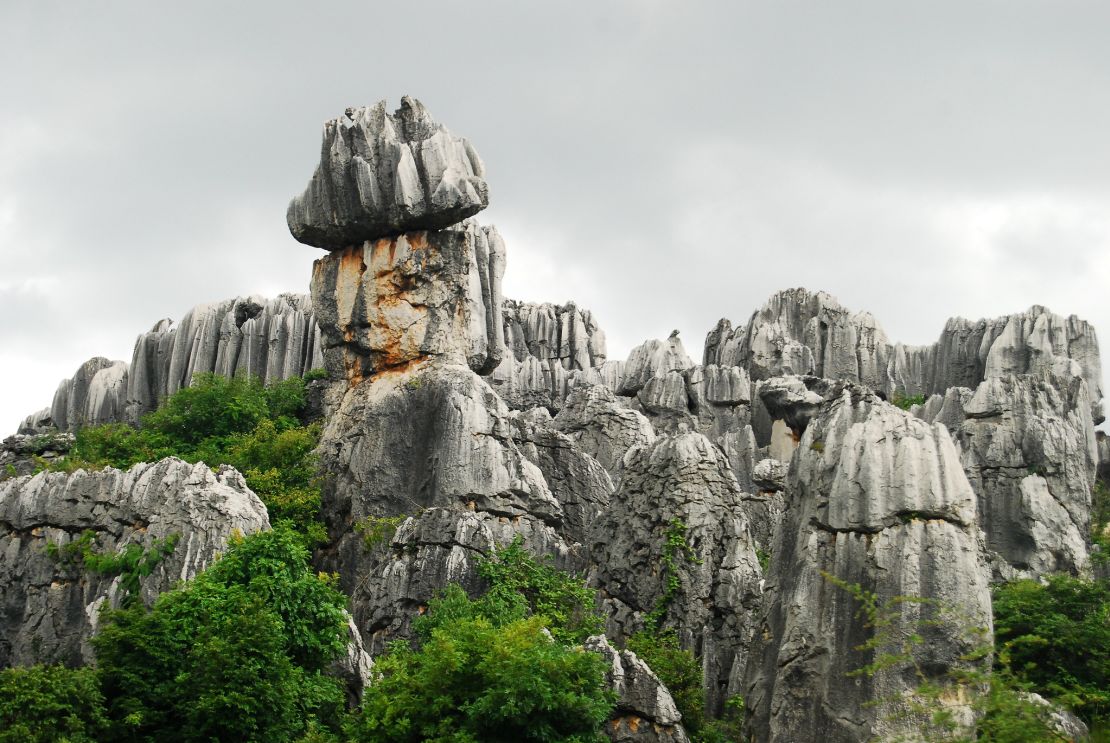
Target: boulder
645 711
383 174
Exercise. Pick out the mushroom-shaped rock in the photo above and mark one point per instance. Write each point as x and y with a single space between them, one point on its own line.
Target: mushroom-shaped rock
385 174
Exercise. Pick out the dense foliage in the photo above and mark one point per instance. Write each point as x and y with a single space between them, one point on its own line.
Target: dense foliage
237 654
220 420
494 668
679 671
1056 637
42 704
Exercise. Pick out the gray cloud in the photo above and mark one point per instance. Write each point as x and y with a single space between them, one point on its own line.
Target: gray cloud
662 163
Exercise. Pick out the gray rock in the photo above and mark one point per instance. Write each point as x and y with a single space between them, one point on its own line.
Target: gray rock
651 359
396 301
602 427
877 499
1062 720
798 332
579 483
272 339
1028 446
436 443
684 482
21 454
645 711
49 607
386 174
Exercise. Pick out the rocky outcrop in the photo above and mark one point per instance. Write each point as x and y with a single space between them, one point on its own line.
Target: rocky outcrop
434 442
877 502
49 603
24 454
645 711
388 303
601 426
810 333
549 349
386 174
1028 446
678 514
577 481
272 339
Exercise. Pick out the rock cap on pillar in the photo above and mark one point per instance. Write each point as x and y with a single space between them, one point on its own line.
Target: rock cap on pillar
383 174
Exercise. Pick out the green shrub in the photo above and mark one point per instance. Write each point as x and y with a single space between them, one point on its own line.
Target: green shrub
1056 638
679 671
43 704
217 420
314 374
132 563
905 402
236 654
484 671
564 599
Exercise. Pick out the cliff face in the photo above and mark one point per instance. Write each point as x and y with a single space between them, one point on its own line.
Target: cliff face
877 500
49 603
272 339
738 502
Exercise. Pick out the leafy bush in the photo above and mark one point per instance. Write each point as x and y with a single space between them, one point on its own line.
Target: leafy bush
132 563
906 401
565 600
236 654
42 704
220 420
485 671
679 671
314 374
1056 638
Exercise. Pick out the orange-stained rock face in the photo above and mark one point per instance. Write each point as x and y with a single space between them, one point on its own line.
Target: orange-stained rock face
398 300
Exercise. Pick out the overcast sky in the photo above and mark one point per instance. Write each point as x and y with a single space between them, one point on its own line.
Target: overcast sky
661 163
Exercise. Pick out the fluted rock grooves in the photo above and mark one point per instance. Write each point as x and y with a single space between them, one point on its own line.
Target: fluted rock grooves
470 420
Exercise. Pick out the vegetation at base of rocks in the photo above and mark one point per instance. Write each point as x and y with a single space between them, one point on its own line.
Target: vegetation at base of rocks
562 598
1100 522
237 654
376 530
999 697
313 375
679 671
217 420
1055 639
44 704
905 402
132 563
503 667
660 648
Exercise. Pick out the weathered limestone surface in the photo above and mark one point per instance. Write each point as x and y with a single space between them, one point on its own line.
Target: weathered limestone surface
390 302
1028 446
645 711
602 427
435 442
876 498
49 608
802 332
272 339
386 174
680 486
578 481
549 348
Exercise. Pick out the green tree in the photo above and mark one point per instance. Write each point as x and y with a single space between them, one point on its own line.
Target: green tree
484 671
1056 637
48 704
235 655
